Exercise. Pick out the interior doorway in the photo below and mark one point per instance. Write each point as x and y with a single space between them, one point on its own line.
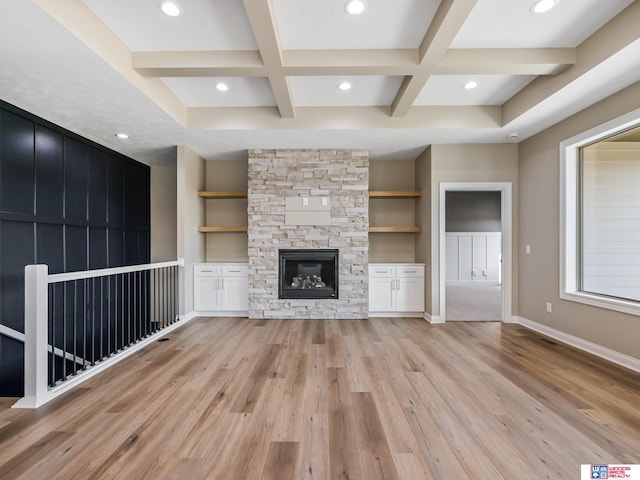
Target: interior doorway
475 252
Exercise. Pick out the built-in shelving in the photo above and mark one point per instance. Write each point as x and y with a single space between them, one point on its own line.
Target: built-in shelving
222 194
383 194
394 194
223 229
219 195
390 194
395 229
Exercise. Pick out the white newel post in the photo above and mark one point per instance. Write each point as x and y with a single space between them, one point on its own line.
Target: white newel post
36 336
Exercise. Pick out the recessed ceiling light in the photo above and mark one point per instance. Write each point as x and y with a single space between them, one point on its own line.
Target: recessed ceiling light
169 8
542 6
514 136
122 135
355 7
223 87
470 85
344 86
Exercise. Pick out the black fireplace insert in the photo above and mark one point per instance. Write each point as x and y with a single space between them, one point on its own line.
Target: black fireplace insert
308 273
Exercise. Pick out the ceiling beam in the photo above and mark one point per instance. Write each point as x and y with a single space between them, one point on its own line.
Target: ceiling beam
618 34
510 61
351 62
506 61
199 64
262 19
344 118
446 23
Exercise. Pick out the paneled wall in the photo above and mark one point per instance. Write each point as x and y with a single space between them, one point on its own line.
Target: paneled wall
65 202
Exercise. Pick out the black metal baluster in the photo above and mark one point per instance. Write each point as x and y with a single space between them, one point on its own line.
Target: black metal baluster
109 352
122 302
75 321
176 296
93 321
129 308
136 334
145 299
164 297
154 303
84 322
64 333
115 313
172 282
52 333
101 316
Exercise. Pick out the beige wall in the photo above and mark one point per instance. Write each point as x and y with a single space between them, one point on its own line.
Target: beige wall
163 213
392 247
191 214
226 175
471 163
539 211
423 219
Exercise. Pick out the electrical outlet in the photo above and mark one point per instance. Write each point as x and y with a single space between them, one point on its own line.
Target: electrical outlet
548 307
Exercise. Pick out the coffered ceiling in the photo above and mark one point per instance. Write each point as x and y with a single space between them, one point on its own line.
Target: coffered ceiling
104 66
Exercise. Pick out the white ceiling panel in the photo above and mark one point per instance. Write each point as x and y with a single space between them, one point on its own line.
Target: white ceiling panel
324 24
202 25
491 89
510 23
202 92
366 91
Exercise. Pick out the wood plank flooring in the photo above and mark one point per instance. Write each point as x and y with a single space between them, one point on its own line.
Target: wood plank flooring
239 399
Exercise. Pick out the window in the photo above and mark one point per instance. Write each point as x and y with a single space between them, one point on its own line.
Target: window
600 248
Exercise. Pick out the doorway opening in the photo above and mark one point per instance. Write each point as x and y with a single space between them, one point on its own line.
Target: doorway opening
475 252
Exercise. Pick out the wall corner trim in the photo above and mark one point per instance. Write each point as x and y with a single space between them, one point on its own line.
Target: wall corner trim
593 348
434 319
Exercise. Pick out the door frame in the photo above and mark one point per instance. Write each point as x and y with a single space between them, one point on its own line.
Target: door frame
506 222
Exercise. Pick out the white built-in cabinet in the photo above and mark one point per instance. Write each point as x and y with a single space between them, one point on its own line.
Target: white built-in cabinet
473 257
221 287
396 288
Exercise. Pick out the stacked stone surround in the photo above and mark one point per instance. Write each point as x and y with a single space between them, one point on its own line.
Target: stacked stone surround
341 175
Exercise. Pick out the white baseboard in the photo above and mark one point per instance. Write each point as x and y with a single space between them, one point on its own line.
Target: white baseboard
603 352
212 313
396 315
435 319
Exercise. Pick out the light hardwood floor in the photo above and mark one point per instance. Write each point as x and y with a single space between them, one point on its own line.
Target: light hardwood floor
239 399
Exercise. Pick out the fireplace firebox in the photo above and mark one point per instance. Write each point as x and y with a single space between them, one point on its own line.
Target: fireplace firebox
308 273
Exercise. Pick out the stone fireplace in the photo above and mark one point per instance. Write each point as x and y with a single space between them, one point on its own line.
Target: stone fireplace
341 177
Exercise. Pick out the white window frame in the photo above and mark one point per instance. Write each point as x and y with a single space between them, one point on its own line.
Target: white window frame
569 215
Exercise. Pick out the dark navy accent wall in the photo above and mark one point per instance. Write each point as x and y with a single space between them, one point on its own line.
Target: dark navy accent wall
64 201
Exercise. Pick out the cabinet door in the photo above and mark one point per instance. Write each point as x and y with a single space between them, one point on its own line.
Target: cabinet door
451 258
494 248
479 269
205 293
381 294
410 295
465 258
235 294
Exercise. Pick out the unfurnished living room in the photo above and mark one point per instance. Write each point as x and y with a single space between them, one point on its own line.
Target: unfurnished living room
304 239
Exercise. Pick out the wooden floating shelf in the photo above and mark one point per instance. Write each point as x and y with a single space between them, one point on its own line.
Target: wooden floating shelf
395 194
222 229
395 229
222 194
